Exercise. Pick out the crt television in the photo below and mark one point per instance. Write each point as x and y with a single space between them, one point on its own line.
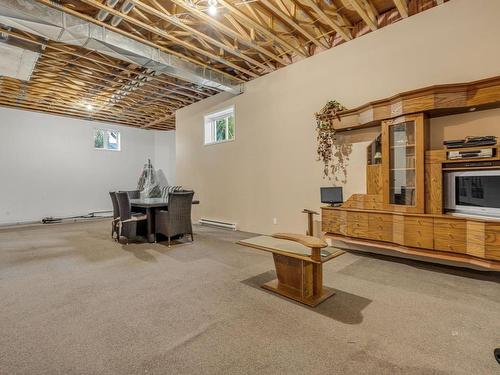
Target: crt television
331 195
473 192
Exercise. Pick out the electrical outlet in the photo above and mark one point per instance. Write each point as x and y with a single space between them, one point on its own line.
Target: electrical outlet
275 220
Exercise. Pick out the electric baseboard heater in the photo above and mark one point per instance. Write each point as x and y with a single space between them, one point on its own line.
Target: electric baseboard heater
218 224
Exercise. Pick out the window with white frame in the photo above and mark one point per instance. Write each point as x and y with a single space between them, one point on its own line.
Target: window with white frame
219 127
106 139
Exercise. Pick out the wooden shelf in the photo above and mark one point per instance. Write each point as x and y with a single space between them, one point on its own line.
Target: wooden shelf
475 148
469 160
402 146
472 168
402 169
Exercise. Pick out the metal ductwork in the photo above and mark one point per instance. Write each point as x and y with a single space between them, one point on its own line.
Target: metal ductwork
127 6
103 14
18 58
54 24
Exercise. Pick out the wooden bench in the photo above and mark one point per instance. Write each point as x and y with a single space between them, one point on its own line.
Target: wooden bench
299 265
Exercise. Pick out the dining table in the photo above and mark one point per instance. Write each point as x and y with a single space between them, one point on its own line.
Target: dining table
149 206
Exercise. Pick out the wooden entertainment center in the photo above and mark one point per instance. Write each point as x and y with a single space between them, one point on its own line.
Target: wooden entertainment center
403 210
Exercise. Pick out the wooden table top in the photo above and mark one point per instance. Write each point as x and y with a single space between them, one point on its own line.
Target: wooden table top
289 248
153 202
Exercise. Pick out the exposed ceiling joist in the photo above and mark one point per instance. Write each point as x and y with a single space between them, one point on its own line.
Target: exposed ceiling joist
402 6
136 62
344 33
293 23
365 12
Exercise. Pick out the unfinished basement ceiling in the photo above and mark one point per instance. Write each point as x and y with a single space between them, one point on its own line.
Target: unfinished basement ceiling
207 46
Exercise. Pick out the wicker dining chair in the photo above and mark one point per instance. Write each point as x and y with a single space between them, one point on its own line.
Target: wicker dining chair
129 223
177 219
116 215
132 194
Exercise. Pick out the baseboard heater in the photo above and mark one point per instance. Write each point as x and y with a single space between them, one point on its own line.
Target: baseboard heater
218 224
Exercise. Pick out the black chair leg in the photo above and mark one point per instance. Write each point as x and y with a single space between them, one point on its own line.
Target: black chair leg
192 238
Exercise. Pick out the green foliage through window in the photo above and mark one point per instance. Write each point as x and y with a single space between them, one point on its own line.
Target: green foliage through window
230 121
105 139
220 127
99 139
220 130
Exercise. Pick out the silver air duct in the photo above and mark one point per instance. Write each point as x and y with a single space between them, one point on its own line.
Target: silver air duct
54 24
127 6
103 14
18 58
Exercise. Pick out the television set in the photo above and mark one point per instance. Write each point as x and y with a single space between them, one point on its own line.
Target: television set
331 195
475 193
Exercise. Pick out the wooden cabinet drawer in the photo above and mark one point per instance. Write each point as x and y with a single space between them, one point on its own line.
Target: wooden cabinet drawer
492 241
415 231
334 221
450 235
380 227
328 220
357 224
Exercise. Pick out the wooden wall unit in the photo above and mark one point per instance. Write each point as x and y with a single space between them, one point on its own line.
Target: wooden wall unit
403 150
436 101
474 237
388 216
374 179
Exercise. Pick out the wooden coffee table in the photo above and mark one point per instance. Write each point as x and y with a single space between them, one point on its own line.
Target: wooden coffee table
299 265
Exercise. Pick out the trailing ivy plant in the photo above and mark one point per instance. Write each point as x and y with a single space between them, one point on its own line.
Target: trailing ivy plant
326 135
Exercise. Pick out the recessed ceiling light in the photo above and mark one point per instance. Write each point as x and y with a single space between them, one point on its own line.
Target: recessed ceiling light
212 7
212 10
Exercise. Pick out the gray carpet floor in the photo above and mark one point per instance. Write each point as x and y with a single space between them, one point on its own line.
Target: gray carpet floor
75 302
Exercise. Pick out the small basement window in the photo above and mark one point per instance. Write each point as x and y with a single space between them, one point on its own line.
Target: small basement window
106 139
219 127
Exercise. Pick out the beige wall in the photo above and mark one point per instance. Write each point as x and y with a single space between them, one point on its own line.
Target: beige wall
468 124
270 171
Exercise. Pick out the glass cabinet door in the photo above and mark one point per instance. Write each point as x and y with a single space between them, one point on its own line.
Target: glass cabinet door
402 163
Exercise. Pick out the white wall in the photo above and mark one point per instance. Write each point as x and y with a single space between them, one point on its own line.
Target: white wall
49 167
270 170
165 156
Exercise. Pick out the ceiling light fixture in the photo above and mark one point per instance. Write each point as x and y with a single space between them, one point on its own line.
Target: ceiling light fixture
89 107
212 7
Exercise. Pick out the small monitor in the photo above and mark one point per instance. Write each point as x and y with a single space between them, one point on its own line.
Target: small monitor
331 195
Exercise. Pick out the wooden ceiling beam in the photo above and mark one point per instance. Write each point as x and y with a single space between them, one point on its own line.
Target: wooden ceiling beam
361 8
177 22
65 96
227 30
344 33
56 46
259 26
135 37
157 121
172 100
65 108
156 30
92 80
292 23
402 6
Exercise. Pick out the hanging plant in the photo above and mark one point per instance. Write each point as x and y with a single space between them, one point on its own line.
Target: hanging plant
326 135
